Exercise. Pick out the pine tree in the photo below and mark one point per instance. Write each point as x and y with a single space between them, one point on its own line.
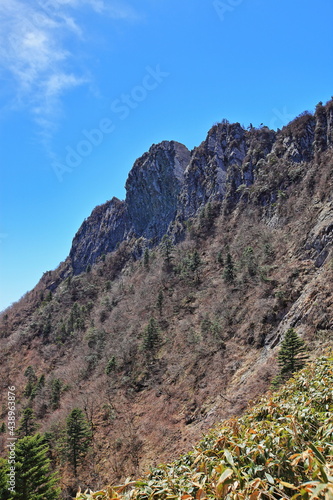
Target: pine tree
146 259
208 216
56 388
33 478
78 438
40 383
159 302
195 261
220 258
4 492
194 265
30 387
250 261
229 272
27 425
167 249
151 336
111 366
292 355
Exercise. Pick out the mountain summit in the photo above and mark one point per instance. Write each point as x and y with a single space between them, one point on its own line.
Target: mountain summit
167 315
170 184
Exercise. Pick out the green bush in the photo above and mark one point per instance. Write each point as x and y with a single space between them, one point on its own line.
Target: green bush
280 449
111 366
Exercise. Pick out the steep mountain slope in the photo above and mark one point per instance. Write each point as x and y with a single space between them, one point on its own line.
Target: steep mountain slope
279 448
186 335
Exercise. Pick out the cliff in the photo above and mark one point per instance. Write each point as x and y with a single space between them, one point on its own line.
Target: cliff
169 183
155 351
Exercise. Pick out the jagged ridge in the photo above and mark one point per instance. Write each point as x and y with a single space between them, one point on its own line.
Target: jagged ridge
169 183
216 338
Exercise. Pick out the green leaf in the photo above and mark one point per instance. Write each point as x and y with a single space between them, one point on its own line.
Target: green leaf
269 478
323 473
229 458
317 453
226 474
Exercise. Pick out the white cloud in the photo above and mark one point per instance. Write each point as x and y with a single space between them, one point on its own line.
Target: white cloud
34 49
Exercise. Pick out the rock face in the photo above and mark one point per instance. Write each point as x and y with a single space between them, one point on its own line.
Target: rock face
320 238
206 174
324 126
295 143
171 183
99 234
152 191
153 187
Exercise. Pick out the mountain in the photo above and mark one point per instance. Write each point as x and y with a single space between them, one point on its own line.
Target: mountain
170 183
278 448
152 190
166 316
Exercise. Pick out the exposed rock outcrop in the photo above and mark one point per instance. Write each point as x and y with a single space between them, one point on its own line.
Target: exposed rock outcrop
215 333
152 191
153 187
169 183
99 234
206 174
320 240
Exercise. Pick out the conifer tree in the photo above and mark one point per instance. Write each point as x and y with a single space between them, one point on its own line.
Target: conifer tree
151 336
292 355
111 366
34 480
40 383
195 261
146 259
56 388
30 387
167 249
27 425
250 261
78 438
220 258
159 302
4 492
229 272
194 264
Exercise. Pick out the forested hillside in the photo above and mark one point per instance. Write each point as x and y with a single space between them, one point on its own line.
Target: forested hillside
145 338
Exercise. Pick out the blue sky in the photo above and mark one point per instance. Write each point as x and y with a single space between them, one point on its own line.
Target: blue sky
88 85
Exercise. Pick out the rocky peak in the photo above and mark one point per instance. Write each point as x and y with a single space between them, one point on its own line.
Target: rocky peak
206 174
153 187
152 191
307 135
99 234
224 161
295 141
324 126
169 183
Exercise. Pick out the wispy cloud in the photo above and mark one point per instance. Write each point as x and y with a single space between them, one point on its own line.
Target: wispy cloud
35 37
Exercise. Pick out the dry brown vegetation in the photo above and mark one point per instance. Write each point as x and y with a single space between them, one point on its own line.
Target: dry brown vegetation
213 349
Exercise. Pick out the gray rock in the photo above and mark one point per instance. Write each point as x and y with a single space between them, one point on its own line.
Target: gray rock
206 174
99 234
169 184
153 187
